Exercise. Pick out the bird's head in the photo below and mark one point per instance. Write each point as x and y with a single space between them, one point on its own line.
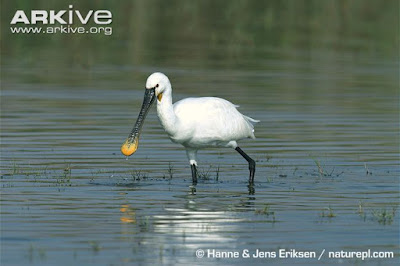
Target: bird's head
156 84
159 82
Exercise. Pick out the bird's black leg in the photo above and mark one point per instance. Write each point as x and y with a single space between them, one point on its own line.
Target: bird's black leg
194 174
252 164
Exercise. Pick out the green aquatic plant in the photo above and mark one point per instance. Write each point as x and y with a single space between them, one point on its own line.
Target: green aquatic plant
15 169
27 170
67 171
329 214
267 212
40 251
144 223
137 175
204 174
170 170
361 211
270 179
161 253
367 171
264 211
360 207
384 216
295 170
322 171
65 178
207 174
95 246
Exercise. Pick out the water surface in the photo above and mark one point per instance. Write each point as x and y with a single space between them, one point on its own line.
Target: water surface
326 92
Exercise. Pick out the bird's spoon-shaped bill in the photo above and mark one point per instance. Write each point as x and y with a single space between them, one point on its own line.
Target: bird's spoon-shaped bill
129 147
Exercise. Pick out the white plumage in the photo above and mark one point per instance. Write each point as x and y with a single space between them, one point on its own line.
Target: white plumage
209 121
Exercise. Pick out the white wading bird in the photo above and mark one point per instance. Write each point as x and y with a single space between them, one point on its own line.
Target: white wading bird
196 123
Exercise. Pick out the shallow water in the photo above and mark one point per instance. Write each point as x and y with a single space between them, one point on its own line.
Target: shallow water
326 149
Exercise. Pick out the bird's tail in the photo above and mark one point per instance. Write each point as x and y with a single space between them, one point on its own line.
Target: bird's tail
250 121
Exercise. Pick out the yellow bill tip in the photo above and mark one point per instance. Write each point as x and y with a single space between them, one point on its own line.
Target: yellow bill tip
129 148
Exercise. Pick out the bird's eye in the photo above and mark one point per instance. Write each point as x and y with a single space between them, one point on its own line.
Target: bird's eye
157 86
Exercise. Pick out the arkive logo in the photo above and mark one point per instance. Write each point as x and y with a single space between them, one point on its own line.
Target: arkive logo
50 17
64 18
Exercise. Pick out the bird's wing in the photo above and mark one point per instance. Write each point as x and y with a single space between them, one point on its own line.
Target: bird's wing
213 118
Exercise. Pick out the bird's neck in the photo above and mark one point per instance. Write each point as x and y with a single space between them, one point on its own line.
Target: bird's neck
166 114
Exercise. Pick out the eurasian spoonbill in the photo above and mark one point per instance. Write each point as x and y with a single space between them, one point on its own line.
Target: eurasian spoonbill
195 123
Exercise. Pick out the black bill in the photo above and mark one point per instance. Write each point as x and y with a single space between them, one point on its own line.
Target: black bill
131 143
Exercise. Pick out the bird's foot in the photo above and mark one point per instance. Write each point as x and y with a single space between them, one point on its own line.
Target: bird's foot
252 191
